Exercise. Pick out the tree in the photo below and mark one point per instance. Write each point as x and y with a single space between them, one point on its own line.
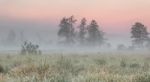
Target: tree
22 37
139 34
11 36
148 44
82 31
67 29
121 47
95 36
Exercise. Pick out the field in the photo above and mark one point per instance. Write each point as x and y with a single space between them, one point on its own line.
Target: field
71 67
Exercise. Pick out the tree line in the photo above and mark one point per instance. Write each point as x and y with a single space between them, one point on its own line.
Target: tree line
87 34
91 35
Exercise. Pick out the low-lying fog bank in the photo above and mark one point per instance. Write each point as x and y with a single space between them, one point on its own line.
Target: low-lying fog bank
76 50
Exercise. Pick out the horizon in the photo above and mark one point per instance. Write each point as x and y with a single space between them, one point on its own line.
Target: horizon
115 18
74 41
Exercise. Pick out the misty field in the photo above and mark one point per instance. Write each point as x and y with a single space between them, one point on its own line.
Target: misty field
59 67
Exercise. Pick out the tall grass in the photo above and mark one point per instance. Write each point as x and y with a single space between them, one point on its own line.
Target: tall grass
75 68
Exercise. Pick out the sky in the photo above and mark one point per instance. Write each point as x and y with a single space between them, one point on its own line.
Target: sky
115 17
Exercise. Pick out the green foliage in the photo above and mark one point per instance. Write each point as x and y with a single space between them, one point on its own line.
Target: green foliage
87 35
1 69
123 63
30 48
60 78
67 29
146 66
75 68
139 34
82 31
66 66
95 35
134 65
121 47
142 78
100 61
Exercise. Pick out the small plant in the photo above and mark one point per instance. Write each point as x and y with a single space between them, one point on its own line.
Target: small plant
142 78
100 61
134 65
121 47
123 63
65 64
146 66
42 69
1 69
30 48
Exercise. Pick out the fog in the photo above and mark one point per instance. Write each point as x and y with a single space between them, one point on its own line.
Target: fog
45 35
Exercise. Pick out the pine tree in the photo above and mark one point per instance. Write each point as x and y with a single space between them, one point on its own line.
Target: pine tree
95 36
82 31
67 29
139 34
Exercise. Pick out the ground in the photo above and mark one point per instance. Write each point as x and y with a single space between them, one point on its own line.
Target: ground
75 67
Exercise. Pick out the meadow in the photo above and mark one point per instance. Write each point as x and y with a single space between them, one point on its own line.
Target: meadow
75 67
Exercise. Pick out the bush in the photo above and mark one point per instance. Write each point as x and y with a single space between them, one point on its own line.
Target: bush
64 64
146 66
1 69
123 63
100 61
134 65
30 48
142 78
121 47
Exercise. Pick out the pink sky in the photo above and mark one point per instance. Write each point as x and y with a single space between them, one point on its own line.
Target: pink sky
112 15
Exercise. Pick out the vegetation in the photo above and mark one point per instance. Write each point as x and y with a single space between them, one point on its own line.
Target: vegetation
139 34
94 67
30 48
82 31
58 67
90 34
67 29
95 35
1 69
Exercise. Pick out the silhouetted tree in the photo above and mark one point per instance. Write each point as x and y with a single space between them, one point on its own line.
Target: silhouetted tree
130 48
67 29
11 37
82 31
108 45
121 47
139 34
29 48
148 43
95 36
22 37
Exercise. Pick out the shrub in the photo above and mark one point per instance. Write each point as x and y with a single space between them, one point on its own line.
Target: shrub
42 69
134 65
1 69
146 66
64 65
30 48
100 61
123 63
121 47
142 78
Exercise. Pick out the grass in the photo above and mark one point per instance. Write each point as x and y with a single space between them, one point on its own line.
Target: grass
97 67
